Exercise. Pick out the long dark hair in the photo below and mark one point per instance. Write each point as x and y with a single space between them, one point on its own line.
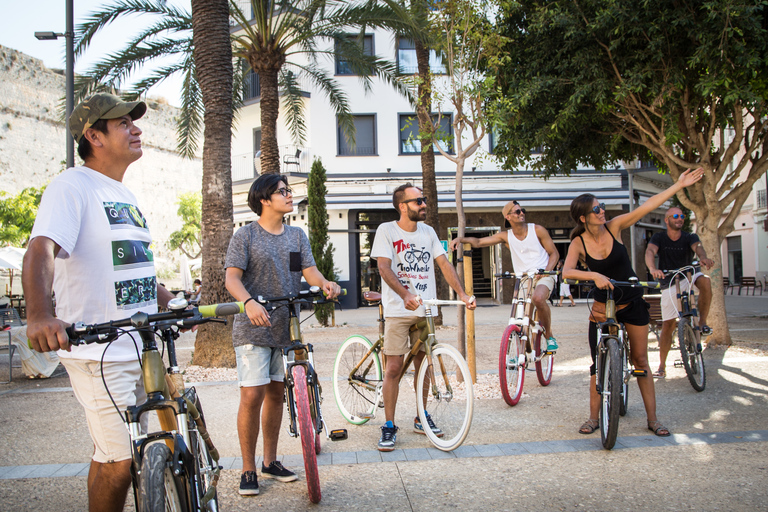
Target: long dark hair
582 205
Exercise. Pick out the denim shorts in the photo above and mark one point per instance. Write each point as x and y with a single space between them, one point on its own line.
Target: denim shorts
258 366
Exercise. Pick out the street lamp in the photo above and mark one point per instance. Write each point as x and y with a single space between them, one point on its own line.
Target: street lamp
70 74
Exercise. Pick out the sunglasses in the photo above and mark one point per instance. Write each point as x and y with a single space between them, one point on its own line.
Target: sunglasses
518 211
419 201
283 191
677 216
596 209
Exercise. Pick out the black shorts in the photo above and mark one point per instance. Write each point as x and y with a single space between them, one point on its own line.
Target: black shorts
634 314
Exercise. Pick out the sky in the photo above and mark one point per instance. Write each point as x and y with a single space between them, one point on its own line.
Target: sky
22 18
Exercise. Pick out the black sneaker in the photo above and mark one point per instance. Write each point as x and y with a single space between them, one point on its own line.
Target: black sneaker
249 484
278 472
388 438
419 428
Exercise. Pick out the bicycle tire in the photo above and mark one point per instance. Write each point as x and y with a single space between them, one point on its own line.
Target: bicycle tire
451 411
610 399
356 402
544 362
693 359
624 381
159 489
314 404
306 432
204 463
511 373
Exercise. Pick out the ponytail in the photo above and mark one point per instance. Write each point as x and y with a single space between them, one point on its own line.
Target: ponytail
581 206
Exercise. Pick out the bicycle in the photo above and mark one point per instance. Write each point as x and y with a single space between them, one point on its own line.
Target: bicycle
181 472
614 367
516 347
688 329
303 392
359 378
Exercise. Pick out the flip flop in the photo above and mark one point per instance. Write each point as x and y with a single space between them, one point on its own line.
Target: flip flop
660 374
658 429
589 427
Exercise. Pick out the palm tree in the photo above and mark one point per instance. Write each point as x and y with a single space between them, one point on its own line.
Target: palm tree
276 33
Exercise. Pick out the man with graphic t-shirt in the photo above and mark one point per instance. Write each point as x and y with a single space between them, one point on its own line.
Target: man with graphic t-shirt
531 249
675 249
91 246
407 251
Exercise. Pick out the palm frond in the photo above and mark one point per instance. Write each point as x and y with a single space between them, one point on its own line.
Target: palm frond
293 104
189 125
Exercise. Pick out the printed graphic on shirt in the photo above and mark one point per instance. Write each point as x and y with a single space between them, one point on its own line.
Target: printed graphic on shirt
128 254
124 215
136 293
413 265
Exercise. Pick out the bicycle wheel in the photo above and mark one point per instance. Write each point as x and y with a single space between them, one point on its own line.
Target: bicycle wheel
511 371
205 493
624 381
315 408
450 399
306 432
545 361
356 393
159 489
610 399
693 359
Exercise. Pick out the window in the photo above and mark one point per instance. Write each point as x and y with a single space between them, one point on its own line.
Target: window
251 86
493 139
409 134
406 59
344 67
365 137
735 267
256 140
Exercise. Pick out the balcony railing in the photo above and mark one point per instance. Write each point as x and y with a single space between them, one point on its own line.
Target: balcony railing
243 167
762 199
246 167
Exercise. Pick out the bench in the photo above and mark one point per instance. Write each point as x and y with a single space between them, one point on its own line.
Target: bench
10 320
727 285
747 282
655 311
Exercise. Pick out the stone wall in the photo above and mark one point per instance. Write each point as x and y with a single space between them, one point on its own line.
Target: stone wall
32 145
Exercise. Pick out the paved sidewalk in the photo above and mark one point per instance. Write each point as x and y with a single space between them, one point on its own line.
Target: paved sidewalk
524 457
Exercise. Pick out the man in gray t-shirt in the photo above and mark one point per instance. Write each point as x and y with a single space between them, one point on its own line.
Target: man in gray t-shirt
266 258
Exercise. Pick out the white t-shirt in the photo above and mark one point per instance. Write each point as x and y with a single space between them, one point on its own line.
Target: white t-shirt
528 255
413 257
105 269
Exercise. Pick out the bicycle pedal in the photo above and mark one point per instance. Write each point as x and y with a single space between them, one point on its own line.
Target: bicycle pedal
679 364
365 415
339 434
639 373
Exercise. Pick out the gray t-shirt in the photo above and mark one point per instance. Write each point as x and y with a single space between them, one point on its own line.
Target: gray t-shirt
272 266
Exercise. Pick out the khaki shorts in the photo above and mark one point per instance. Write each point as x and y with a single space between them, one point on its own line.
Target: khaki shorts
111 442
548 281
398 338
669 297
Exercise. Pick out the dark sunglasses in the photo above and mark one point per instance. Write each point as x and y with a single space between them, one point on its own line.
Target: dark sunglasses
596 209
283 191
519 211
677 216
419 201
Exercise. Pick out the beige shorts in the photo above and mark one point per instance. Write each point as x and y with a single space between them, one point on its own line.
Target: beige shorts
111 442
669 297
398 338
548 281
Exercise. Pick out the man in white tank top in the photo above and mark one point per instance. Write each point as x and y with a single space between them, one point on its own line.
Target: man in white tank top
532 249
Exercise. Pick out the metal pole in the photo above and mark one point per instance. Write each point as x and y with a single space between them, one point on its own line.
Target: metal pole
630 180
69 38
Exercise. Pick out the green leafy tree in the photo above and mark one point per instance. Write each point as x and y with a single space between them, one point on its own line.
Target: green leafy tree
17 215
597 82
322 249
187 239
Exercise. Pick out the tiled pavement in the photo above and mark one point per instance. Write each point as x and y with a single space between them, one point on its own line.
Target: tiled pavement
414 454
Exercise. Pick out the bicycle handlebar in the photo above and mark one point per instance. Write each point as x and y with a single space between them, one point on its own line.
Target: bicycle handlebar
80 333
630 284
439 302
312 296
692 267
533 273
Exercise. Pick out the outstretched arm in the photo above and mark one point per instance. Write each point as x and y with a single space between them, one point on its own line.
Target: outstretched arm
475 242
622 222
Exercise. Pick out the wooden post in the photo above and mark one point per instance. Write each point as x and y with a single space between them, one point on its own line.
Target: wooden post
470 315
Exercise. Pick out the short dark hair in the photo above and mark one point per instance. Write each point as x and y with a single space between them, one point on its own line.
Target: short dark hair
84 148
397 195
263 188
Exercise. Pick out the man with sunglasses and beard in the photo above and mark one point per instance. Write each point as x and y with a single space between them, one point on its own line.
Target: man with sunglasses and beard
675 249
407 251
532 249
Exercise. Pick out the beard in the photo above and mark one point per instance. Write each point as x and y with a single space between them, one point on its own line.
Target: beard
417 215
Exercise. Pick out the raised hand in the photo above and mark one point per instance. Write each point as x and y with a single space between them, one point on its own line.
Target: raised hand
690 177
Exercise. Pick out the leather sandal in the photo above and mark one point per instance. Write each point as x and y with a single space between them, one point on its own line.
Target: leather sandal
589 426
657 428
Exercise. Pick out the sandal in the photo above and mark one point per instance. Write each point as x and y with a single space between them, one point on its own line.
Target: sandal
589 426
657 428
660 374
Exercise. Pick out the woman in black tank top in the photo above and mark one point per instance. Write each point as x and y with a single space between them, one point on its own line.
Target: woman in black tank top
595 243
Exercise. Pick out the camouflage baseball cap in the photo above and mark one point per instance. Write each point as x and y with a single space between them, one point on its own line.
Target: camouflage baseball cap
102 106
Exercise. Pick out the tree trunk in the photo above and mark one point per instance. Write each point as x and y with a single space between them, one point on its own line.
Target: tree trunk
718 318
462 223
270 109
213 61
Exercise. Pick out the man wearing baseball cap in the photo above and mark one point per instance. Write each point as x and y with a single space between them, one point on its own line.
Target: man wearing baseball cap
91 246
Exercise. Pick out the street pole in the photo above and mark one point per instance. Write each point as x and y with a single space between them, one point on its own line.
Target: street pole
69 37
630 180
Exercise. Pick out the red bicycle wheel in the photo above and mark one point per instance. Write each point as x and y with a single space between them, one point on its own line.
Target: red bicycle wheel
511 365
544 362
306 432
